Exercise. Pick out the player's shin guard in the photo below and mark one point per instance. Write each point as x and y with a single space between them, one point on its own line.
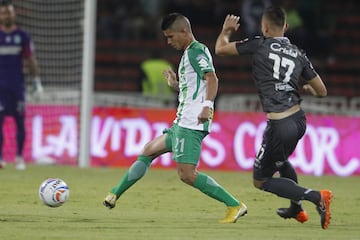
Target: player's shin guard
287 188
211 188
288 171
137 170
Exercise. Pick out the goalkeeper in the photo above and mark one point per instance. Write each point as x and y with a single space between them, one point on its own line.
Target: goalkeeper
16 51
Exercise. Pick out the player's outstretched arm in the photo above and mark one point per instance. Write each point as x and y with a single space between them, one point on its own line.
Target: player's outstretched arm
223 45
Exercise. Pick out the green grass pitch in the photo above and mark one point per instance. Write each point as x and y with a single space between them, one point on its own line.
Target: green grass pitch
159 206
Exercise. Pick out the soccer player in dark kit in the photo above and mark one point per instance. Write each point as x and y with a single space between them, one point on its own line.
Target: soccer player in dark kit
278 66
16 49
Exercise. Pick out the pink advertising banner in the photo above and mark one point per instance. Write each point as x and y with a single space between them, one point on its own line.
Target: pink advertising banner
330 144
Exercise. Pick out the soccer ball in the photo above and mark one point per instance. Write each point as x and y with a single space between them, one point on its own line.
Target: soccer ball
54 192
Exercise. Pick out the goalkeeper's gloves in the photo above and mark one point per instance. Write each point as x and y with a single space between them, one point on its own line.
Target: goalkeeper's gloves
37 88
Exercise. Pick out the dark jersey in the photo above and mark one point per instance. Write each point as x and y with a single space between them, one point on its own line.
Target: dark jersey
278 67
14 47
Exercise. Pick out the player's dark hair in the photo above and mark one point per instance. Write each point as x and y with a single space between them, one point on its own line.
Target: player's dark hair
276 15
169 19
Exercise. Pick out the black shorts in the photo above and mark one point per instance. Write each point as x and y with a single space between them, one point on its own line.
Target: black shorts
279 142
11 103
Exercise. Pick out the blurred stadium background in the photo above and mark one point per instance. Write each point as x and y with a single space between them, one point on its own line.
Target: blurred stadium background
128 32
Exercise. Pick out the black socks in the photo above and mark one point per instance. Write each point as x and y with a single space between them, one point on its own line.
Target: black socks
287 188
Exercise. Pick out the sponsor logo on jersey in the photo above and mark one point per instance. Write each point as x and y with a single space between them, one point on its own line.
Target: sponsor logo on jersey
7 39
17 39
10 50
203 63
276 47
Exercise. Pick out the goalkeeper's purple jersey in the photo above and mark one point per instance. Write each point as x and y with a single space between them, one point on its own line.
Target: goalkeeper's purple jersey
14 47
278 66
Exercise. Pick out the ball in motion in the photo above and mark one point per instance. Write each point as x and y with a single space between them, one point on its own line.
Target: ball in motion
54 192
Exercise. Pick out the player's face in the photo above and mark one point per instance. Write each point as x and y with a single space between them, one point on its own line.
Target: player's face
175 39
7 15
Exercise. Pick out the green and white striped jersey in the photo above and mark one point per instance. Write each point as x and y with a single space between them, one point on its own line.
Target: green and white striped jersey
195 62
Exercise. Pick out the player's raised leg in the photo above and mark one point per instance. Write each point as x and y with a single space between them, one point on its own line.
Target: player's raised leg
137 170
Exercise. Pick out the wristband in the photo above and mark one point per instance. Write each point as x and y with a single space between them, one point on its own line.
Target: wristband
37 79
208 103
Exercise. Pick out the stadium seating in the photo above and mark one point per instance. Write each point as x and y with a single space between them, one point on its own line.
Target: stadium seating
117 61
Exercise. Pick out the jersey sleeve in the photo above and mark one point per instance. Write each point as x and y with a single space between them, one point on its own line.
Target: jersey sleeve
28 46
308 72
247 46
201 61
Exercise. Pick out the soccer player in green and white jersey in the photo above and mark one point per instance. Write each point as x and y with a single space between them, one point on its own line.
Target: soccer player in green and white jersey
197 84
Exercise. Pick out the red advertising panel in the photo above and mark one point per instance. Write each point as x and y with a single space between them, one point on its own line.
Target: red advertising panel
51 135
119 134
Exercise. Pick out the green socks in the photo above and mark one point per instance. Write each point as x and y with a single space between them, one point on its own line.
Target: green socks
211 188
203 182
135 172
